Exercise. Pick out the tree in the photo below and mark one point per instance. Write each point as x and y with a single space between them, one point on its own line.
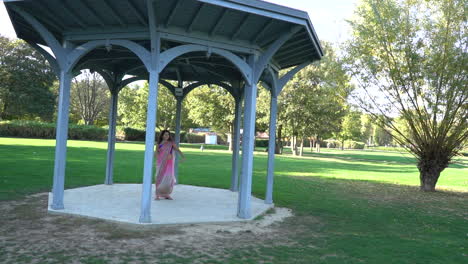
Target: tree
167 105
382 136
130 112
212 106
367 129
313 103
25 82
89 97
410 59
350 127
133 105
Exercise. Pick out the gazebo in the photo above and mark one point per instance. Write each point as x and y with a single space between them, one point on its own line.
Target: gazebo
231 43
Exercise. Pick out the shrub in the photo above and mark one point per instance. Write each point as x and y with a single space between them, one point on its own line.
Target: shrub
194 138
261 143
87 132
132 134
354 144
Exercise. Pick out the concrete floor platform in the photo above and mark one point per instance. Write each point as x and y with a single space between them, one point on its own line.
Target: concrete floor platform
121 203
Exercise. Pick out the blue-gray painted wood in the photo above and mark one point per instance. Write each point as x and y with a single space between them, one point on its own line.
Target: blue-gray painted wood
168 85
172 34
169 55
91 10
61 141
265 58
82 50
172 13
111 137
248 142
179 35
268 10
235 145
145 214
271 150
52 61
113 12
288 76
48 37
177 134
136 12
115 84
69 12
195 18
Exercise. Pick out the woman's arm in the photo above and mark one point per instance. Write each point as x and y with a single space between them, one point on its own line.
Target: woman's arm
174 146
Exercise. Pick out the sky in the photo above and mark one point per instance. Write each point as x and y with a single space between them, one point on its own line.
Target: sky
328 17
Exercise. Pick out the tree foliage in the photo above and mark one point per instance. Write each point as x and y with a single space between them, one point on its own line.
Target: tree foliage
313 103
25 82
212 106
350 127
410 57
133 105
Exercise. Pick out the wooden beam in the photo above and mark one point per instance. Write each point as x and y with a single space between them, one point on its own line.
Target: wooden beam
137 12
113 12
298 54
292 50
46 17
92 11
274 37
265 27
195 18
241 26
219 22
173 12
294 44
64 6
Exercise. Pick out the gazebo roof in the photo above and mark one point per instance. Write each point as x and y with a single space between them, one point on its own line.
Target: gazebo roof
241 26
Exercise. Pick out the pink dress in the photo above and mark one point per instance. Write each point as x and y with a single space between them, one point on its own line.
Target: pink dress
165 179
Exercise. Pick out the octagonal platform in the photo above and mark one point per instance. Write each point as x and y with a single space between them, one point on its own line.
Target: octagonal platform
191 204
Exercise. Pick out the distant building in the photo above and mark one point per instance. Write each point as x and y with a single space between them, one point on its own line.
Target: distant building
262 135
211 138
200 130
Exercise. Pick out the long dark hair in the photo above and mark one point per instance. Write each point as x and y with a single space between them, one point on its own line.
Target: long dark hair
161 134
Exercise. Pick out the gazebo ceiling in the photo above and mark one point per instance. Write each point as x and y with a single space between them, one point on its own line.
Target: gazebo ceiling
241 26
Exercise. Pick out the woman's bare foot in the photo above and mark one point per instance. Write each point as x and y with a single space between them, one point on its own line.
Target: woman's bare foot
169 198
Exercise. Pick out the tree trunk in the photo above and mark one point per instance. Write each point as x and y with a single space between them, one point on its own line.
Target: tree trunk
301 151
429 173
311 142
342 144
317 144
294 146
279 144
232 137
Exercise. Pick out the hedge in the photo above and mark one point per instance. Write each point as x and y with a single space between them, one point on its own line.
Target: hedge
34 129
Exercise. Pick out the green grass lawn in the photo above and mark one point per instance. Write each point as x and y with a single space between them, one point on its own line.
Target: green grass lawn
352 206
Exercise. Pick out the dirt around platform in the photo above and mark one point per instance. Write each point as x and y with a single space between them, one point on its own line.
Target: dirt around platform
28 234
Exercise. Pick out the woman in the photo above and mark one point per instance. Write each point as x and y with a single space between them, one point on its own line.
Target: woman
165 178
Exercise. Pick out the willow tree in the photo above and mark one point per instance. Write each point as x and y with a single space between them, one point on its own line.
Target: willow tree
410 59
